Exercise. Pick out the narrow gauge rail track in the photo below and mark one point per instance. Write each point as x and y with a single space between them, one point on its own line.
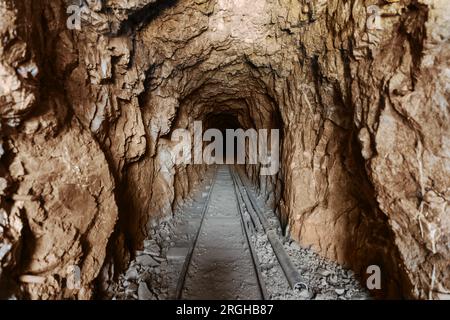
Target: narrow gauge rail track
252 220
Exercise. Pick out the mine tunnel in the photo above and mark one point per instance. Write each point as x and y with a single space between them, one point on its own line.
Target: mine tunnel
223 122
248 150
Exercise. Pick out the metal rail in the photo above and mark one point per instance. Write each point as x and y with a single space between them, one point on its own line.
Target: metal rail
246 228
290 271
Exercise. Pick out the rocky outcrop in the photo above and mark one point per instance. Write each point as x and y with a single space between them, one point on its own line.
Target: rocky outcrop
58 204
92 93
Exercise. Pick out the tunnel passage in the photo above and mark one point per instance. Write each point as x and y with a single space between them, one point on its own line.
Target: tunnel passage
222 122
228 97
88 180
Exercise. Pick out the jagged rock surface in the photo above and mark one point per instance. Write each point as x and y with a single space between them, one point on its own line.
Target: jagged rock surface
86 117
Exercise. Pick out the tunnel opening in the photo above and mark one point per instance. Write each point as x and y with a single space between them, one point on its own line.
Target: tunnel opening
224 121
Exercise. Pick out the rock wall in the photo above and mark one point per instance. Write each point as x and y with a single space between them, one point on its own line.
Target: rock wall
58 203
88 107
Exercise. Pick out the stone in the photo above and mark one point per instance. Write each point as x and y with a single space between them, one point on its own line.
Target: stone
146 261
131 274
306 294
144 293
323 272
340 291
151 245
332 279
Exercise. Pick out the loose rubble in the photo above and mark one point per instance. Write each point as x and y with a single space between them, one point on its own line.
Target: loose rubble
146 276
323 279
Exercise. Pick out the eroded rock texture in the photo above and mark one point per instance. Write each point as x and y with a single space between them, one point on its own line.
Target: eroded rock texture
361 97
